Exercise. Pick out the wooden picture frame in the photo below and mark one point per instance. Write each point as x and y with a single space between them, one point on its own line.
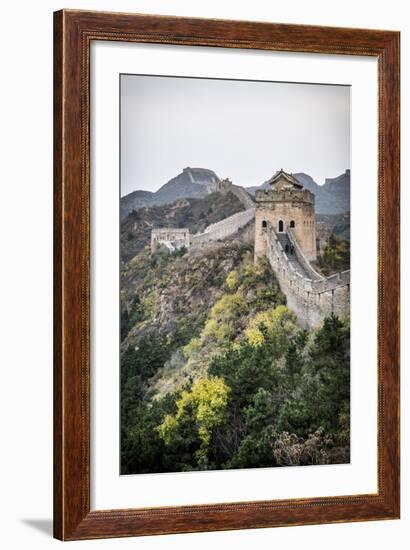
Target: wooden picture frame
74 32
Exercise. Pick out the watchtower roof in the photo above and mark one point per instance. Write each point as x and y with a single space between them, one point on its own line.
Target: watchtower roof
282 175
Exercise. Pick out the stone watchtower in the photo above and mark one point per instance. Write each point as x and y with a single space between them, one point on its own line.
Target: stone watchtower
286 206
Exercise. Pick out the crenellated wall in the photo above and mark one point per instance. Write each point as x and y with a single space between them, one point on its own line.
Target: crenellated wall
170 237
311 297
225 228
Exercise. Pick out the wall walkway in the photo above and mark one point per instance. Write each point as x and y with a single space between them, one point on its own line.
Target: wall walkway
310 295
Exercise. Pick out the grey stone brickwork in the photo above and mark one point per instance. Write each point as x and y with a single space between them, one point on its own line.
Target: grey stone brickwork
225 228
311 297
170 238
286 208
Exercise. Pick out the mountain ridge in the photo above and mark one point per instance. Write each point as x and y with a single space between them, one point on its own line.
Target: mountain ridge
333 197
191 183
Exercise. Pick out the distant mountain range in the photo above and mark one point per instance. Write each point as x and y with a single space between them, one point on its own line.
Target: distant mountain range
191 183
333 197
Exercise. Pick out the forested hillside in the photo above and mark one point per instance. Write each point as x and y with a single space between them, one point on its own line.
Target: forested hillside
195 214
215 370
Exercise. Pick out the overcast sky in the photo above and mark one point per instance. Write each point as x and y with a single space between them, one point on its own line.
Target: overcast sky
244 131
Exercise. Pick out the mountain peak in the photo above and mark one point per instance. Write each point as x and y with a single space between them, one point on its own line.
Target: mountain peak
200 175
190 183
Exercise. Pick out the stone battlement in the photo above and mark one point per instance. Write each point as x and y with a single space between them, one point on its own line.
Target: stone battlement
310 295
170 237
284 195
286 205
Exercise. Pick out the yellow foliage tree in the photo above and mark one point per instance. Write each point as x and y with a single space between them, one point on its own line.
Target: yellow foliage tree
221 323
206 401
279 321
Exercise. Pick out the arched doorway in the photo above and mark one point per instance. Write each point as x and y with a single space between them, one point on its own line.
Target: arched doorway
292 223
264 224
280 226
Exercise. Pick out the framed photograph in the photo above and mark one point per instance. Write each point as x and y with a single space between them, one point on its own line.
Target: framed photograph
226 275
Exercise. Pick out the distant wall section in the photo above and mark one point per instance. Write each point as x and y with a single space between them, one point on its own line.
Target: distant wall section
225 228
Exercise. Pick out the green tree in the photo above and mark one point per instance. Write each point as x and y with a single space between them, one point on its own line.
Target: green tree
255 451
336 256
142 449
324 384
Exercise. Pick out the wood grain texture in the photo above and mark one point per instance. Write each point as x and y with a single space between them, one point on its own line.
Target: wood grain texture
73 33
57 302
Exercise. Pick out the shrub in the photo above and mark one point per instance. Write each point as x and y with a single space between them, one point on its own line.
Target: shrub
222 323
232 280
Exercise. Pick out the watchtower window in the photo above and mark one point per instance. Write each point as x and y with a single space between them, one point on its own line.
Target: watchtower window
292 223
264 224
280 226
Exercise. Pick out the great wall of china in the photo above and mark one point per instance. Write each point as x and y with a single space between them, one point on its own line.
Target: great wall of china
310 295
284 229
225 228
172 238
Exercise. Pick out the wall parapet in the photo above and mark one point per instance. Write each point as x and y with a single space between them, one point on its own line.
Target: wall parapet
284 195
224 228
311 299
302 258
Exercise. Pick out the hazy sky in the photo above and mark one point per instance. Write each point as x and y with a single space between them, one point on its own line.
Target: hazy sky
244 131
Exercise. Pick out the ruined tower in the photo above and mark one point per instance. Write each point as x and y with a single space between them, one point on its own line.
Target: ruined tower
287 208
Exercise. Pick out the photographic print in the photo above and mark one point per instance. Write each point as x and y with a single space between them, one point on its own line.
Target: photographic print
234 274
